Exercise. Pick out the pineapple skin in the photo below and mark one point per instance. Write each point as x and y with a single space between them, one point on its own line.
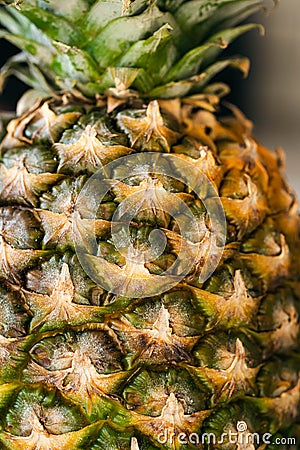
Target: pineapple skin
130 319
82 367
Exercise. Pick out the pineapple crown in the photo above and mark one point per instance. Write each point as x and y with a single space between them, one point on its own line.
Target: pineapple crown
150 48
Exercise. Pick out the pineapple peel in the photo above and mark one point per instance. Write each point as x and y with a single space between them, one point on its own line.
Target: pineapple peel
133 313
138 186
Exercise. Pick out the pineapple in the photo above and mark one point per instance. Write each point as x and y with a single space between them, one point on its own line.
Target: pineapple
149 258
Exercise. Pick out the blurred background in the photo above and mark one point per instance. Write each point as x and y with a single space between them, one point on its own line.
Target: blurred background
270 96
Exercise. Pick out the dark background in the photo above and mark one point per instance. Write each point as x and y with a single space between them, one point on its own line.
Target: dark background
271 95
14 87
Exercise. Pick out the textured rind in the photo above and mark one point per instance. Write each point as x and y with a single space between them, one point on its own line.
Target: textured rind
90 368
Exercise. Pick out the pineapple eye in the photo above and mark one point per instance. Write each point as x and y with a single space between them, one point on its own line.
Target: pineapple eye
157 236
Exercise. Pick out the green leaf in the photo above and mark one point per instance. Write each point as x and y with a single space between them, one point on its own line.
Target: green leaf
156 54
200 17
190 64
28 29
143 82
225 37
34 77
31 76
9 22
20 66
117 37
170 5
72 10
39 52
197 11
101 13
174 89
18 24
245 11
196 83
56 27
10 67
241 64
90 89
73 63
